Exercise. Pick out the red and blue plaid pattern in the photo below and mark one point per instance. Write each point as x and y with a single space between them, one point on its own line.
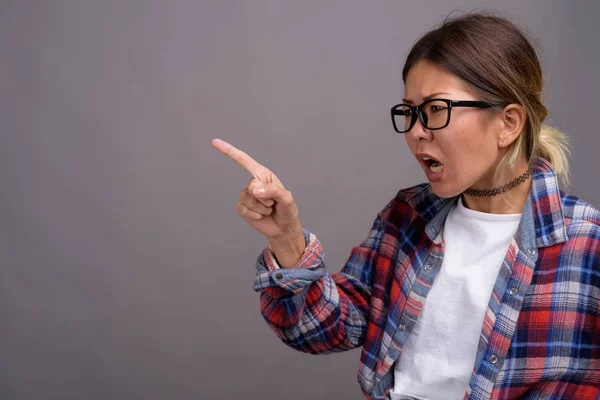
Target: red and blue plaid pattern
541 335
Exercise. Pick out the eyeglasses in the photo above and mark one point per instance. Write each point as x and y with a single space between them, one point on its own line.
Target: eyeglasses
433 114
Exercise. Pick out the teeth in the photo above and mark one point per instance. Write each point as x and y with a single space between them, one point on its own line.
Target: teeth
436 167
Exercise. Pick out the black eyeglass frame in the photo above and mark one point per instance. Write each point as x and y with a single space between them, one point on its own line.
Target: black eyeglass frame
418 110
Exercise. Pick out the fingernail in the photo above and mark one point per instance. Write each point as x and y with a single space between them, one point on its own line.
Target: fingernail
259 190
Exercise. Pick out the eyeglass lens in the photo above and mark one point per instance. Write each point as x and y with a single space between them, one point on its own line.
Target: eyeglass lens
434 115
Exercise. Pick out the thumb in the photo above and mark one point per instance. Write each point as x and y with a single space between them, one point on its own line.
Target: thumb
273 191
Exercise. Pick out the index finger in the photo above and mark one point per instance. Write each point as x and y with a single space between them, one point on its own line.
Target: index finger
237 155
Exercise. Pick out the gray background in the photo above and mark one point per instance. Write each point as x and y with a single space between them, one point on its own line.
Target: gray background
125 272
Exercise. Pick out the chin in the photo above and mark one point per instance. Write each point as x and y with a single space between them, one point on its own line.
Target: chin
445 191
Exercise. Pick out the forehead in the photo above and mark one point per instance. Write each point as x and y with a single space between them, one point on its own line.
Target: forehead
425 78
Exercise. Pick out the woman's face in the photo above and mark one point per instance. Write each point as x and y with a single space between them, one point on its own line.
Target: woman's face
467 148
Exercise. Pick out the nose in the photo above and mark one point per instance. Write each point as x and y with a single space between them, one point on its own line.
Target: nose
419 132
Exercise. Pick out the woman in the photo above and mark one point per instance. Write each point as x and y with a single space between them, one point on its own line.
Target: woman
483 283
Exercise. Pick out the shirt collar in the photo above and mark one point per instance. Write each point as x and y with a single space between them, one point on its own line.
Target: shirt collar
542 223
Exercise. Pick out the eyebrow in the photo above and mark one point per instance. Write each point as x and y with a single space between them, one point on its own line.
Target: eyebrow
431 96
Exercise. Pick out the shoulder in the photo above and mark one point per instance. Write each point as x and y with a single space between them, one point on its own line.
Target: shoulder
583 231
402 206
411 192
579 214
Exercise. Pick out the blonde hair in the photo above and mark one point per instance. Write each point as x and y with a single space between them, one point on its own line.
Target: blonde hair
496 59
547 142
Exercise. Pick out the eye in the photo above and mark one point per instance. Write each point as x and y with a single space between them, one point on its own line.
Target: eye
405 111
435 106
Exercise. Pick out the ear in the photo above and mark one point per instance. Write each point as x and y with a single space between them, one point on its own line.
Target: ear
512 121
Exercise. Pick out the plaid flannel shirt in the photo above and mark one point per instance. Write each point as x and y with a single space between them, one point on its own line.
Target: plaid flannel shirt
540 338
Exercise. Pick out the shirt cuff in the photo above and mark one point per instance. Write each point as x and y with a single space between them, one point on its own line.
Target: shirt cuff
310 267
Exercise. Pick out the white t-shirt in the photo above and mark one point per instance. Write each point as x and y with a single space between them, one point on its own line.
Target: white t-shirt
438 358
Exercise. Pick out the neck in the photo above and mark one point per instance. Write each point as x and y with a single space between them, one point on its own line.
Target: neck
510 202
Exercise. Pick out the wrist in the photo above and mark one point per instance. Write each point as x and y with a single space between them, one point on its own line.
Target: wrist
289 248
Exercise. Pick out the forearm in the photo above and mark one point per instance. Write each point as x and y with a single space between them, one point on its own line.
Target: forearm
310 310
323 318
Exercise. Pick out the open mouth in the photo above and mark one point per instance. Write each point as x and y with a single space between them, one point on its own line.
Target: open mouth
433 164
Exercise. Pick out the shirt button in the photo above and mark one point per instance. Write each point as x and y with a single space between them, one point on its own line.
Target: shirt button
513 291
532 251
428 267
278 275
493 359
402 327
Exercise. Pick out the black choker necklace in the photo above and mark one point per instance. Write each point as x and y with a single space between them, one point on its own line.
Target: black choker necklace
503 189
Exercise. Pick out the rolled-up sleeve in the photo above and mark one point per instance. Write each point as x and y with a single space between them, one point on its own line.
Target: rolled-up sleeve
309 268
313 311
